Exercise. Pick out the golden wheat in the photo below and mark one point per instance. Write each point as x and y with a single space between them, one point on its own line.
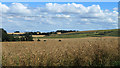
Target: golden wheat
68 52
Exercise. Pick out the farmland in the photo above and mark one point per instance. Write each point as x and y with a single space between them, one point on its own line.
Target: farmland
82 34
92 51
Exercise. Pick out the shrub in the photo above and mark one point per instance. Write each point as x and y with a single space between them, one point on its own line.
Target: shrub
60 40
38 40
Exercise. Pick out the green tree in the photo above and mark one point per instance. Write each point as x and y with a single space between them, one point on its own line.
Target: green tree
5 36
28 37
22 38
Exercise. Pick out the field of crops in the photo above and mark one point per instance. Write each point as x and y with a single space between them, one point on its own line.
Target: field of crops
93 51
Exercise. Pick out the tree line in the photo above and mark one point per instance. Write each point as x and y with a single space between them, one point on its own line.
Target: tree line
27 36
49 33
6 37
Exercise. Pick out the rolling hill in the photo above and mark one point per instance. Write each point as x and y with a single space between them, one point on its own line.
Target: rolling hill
93 33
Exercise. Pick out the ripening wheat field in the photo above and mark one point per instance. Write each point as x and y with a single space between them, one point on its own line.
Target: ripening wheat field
67 52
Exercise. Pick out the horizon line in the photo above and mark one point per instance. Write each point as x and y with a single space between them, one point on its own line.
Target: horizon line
61 29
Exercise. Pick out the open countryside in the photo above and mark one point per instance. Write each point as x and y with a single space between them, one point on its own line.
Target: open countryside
55 34
91 48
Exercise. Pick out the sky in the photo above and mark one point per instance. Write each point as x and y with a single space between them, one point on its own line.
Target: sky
59 0
51 16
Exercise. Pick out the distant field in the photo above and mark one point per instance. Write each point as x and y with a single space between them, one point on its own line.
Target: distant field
81 34
92 51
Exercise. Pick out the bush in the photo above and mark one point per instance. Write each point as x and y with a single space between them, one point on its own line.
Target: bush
28 37
5 36
22 38
60 40
38 40
44 40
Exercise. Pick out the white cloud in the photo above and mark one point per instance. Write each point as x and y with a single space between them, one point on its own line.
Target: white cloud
3 8
72 8
10 21
59 14
62 15
84 20
94 9
19 8
9 17
115 9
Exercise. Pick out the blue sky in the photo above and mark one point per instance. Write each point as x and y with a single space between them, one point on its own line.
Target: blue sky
59 0
51 16
104 5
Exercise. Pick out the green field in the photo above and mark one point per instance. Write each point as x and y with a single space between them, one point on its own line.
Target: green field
81 34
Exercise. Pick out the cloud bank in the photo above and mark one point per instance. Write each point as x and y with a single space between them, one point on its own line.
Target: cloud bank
53 16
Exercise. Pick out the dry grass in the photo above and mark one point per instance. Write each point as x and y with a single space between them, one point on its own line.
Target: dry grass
67 52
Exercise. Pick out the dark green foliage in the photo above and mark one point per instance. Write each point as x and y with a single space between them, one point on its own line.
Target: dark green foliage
65 31
17 32
16 39
65 34
101 33
22 38
5 36
116 63
28 37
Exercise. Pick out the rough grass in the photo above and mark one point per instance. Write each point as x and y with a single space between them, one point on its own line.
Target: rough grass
103 51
